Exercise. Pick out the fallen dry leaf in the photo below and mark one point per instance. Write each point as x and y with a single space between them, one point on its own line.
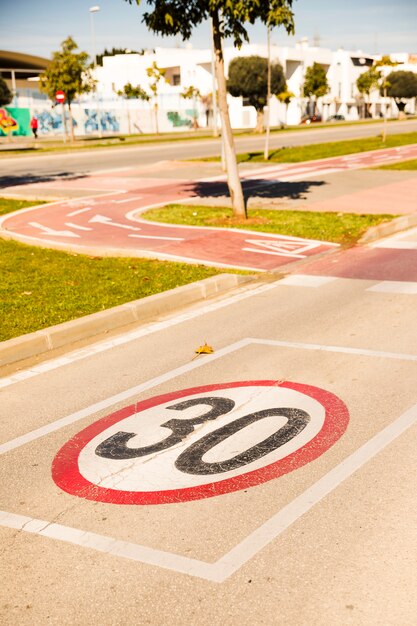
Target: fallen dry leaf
206 349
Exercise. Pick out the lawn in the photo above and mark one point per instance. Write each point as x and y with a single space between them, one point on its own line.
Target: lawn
39 288
325 150
8 205
343 228
402 165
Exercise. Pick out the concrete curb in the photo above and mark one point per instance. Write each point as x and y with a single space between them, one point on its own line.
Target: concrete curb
42 341
390 228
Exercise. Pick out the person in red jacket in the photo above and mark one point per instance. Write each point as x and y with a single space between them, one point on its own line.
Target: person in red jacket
34 126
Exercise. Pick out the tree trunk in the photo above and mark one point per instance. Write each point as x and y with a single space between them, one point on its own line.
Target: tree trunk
233 180
155 108
400 106
259 128
71 125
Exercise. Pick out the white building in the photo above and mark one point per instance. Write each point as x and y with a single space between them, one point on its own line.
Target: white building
188 66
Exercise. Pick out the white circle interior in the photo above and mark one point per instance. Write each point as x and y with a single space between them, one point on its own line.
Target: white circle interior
157 471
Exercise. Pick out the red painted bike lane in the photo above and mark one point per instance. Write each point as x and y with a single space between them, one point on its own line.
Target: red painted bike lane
105 225
108 224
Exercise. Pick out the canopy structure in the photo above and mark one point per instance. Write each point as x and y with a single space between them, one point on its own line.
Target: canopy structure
21 70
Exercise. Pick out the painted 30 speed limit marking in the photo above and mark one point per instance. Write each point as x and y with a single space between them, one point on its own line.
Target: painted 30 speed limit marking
200 442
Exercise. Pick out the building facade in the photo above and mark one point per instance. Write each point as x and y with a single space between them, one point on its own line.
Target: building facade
188 67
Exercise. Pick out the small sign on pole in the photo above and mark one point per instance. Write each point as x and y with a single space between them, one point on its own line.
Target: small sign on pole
60 96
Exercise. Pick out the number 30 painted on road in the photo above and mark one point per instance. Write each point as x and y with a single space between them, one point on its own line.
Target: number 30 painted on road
223 438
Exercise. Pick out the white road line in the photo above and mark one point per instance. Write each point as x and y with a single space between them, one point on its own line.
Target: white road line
119 397
396 245
128 200
394 286
394 241
282 254
155 237
143 331
238 556
78 211
108 545
305 280
77 226
270 530
344 350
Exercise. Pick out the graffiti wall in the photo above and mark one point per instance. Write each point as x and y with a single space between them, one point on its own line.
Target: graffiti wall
14 121
91 117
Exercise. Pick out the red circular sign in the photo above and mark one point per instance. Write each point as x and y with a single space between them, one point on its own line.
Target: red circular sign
60 96
200 442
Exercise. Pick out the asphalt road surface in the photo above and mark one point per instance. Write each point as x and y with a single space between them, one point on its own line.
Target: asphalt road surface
270 482
18 170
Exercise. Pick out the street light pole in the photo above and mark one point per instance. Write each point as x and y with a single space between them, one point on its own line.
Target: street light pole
214 89
93 10
268 97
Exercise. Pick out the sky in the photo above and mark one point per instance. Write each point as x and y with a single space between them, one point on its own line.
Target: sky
39 26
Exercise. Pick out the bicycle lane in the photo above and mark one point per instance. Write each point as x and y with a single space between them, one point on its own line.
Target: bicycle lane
106 222
104 225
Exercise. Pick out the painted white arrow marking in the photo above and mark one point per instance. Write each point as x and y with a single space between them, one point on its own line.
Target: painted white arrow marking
77 226
78 211
102 219
50 231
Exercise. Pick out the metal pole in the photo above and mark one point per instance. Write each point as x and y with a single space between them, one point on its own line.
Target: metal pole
64 123
268 97
93 10
14 90
214 89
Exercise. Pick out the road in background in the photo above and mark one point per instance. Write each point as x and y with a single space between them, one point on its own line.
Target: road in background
17 170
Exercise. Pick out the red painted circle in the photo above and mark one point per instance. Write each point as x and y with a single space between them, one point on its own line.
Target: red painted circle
66 474
60 96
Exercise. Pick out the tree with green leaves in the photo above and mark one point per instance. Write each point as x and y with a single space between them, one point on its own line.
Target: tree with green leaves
114 51
401 86
68 72
192 93
229 19
248 78
315 84
367 82
285 97
156 74
6 95
131 92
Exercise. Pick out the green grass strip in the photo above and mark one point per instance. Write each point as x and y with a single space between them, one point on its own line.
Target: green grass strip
342 228
403 165
40 288
325 150
8 205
